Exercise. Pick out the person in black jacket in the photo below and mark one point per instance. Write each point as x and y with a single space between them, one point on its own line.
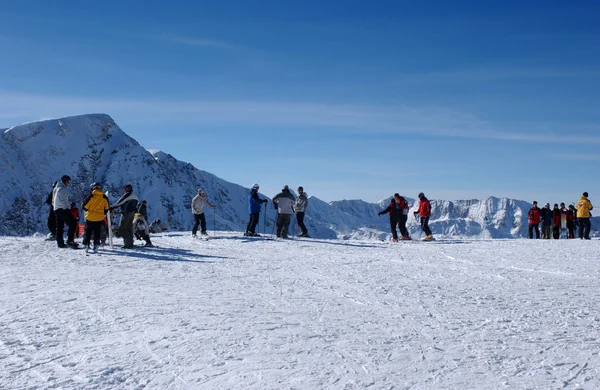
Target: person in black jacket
128 203
393 210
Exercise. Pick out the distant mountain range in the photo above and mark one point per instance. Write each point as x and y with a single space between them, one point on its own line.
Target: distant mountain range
93 148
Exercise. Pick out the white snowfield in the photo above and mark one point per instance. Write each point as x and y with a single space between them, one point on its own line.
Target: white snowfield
244 313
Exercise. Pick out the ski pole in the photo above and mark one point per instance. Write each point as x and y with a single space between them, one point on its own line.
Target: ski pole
265 220
214 222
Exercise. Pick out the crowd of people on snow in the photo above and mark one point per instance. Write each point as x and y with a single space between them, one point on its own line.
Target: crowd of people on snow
134 216
559 218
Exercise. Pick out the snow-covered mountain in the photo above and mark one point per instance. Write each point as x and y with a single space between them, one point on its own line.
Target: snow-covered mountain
93 148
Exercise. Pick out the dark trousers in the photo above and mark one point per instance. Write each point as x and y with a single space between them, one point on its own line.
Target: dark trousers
92 228
393 222
125 229
556 232
571 228
584 228
52 221
300 219
534 227
425 225
64 216
402 225
199 219
283 224
251 227
546 231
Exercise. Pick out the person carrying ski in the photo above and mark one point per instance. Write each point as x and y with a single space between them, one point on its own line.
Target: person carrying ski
128 203
51 216
300 205
198 209
60 202
141 229
534 218
254 205
583 216
424 213
556 220
283 202
546 215
95 205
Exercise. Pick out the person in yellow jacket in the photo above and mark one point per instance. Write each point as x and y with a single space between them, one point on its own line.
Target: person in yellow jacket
96 206
583 216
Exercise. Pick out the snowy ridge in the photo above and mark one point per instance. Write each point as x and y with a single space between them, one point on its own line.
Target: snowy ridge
94 148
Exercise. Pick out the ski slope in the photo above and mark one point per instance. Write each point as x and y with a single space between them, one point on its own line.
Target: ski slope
246 313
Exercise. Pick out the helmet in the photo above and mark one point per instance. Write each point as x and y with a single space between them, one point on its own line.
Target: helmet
128 188
255 186
65 179
96 185
585 194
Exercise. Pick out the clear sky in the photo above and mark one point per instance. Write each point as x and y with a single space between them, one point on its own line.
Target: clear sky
350 99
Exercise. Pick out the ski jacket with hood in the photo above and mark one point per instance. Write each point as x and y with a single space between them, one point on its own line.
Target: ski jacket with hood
60 197
254 202
95 206
583 207
198 204
424 207
284 201
301 203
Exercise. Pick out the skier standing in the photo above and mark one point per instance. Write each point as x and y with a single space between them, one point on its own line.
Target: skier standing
533 218
128 203
254 205
198 209
393 210
60 202
284 202
424 213
583 215
546 215
51 216
95 205
571 220
300 205
556 220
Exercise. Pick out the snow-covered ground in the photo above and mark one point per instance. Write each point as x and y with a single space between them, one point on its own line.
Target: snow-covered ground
241 313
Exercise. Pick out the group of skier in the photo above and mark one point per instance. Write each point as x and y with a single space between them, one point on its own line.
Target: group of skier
398 212
560 217
285 203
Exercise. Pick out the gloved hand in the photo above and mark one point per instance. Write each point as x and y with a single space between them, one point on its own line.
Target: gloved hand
379 213
416 213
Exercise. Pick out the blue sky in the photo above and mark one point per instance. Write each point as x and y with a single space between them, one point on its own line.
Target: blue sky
350 99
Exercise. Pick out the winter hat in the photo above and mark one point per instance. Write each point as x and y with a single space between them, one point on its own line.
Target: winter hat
255 186
65 179
95 185
286 188
535 202
421 195
128 188
396 195
585 194
300 188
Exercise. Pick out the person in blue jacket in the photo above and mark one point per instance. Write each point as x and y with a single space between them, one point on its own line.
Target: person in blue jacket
254 206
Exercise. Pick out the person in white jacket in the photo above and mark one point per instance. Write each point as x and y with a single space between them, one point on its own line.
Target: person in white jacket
300 206
62 206
198 204
284 202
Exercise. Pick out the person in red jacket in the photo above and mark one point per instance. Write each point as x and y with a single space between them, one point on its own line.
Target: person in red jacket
75 213
534 220
424 213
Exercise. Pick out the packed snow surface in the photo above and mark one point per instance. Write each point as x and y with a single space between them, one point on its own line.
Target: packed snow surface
249 313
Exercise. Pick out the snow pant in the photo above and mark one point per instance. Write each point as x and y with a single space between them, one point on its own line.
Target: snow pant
252 222
300 219
393 222
92 228
425 225
283 224
125 229
556 232
402 225
533 227
52 221
584 228
571 229
199 219
546 229
64 216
